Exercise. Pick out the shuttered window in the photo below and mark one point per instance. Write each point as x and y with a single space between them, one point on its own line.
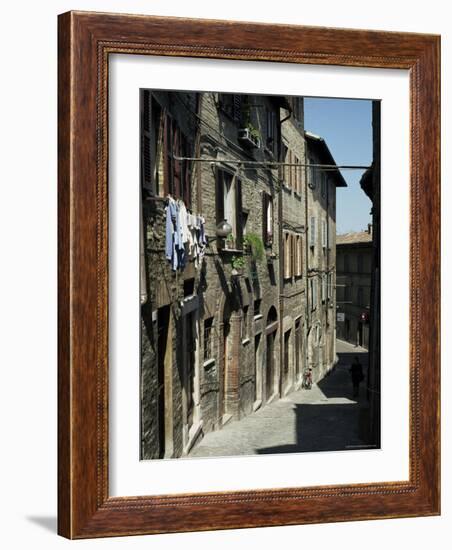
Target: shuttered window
330 286
324 234
151 144
312 230
267 219
313 287
287 255
229 205
231 104
272 141
299 265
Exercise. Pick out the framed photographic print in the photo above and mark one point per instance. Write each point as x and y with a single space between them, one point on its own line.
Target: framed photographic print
248 275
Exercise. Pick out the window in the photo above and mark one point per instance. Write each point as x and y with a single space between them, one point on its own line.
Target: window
324 287
189 287
313 288
229 205
298 358
272 141
312 230
324 234
330 286
297 174
299 256
244 326
161 140
245 215
257 307
286 351
231 104
290 179
151 144
177 173
189 363
294 255
208 324
267 220
287 255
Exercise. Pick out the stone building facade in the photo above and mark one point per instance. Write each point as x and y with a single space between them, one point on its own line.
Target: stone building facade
322 181
228 333
354 273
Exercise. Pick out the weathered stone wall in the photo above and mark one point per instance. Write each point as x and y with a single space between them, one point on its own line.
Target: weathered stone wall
321 264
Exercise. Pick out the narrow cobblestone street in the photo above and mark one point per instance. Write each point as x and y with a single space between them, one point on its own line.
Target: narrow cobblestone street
325 418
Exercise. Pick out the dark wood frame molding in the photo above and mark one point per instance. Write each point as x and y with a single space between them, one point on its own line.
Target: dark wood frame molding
85 42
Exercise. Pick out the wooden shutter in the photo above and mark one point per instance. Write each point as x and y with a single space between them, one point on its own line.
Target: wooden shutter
286 255
312 232
219 199
146 141
294 255
186 168
264 218
168 156
177 168
237 107
238 213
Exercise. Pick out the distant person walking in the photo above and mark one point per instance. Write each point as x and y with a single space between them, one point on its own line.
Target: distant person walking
356 371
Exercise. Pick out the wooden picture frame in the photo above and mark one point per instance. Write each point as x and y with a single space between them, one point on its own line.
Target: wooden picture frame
85 508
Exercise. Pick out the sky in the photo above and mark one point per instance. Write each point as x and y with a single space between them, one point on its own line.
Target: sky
346 126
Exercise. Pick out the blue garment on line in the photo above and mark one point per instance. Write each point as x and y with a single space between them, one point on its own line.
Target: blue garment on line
174 247
170 244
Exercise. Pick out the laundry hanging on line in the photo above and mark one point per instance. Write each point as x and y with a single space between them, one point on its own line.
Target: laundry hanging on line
185 235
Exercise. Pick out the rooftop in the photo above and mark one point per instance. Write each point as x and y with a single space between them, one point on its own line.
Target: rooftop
355 237
319 144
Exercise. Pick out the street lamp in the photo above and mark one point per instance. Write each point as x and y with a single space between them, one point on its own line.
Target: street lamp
223 229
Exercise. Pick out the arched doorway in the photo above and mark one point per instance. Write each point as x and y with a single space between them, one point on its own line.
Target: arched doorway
271 329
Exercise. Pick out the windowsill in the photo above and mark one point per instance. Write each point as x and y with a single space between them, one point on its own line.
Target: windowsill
231 251
257 317
208 364
245 341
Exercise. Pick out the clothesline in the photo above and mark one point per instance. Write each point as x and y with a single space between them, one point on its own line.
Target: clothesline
184 233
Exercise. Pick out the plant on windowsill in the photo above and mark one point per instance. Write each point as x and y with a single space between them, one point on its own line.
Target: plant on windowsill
230 242
250 136
254 244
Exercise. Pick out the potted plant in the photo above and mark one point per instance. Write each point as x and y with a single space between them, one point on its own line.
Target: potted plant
250 136
230 242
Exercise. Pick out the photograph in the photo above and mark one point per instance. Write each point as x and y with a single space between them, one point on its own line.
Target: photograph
259 274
